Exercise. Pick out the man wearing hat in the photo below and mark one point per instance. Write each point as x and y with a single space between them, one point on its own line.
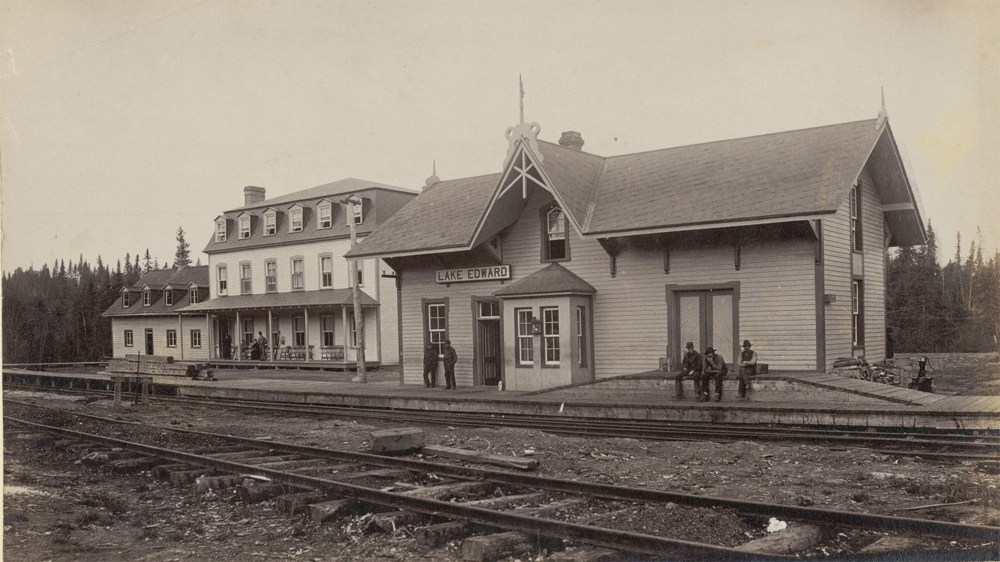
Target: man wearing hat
690 366
748 367
715 367
450 358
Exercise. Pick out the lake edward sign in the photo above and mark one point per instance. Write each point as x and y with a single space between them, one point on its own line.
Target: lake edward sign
488 273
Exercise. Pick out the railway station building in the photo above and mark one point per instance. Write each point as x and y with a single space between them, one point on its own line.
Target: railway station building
565 266
276 266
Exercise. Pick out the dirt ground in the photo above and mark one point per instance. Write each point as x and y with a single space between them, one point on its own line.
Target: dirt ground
56 510
975 374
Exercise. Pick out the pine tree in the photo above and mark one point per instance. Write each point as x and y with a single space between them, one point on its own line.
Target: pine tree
182 257
147 262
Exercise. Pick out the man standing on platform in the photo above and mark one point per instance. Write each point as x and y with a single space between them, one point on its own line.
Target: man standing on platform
430 365
262 346
715 367
748 368
450 358
690 366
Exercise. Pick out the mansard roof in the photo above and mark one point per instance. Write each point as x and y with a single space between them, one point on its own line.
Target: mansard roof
158 279
794 175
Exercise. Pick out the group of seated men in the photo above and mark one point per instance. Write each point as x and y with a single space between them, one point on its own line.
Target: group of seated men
713 366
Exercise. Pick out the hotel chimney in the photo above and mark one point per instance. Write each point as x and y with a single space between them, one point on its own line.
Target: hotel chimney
571 139
252 195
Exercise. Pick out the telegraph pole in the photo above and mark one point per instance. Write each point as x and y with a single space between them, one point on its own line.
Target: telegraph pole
359 322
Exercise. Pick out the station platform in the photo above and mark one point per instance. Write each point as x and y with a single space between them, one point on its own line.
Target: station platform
791 398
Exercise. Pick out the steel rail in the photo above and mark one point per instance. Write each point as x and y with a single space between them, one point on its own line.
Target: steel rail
620 540
608 491
585 429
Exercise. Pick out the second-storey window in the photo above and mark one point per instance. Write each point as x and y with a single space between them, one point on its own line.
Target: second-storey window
525 344
357 213
325 215
168 298
271 276
223 282
270 224
326 272
855 219
147 297
360 276
220 231
550 335
295 224
171 338
193 296
298 274
554 244
128 338
246 287
125 302
244 227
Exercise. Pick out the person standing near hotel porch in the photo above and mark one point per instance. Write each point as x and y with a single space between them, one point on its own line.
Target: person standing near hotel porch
450 358
430 365
714 367
748 367
262 346
690 367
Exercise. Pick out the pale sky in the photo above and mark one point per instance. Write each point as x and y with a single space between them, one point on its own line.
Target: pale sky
124 120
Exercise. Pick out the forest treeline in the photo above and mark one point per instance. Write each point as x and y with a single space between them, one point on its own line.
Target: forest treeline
54 314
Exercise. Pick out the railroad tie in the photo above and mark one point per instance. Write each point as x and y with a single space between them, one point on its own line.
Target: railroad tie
441 533
293 504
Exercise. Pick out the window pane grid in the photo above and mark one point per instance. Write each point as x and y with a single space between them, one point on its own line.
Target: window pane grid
326 277
271 276
525 345
436 325
550 335
270 224
245 286
298 277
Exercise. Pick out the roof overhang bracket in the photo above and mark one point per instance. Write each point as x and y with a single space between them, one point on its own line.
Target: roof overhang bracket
612 247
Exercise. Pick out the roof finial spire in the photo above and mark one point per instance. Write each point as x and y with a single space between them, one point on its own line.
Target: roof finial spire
434 175
521 83
434 167
883 115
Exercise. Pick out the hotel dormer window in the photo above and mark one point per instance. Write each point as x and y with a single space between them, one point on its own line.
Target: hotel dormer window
193 296
147 297
270 223
220 230
244 227
295 222
555 246
325 215
125 302
168 297
357 213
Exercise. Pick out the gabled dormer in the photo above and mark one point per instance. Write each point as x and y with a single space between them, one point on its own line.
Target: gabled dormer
147 295
324 214
194 293
168 296
221 228
245 221
296 218
127 297
270 217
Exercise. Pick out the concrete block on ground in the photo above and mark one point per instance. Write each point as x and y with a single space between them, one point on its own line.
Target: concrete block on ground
397 441
494 547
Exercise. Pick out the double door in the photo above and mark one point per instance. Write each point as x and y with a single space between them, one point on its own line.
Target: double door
706 318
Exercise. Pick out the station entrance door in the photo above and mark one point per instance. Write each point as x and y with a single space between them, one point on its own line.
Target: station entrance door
706 318
489 342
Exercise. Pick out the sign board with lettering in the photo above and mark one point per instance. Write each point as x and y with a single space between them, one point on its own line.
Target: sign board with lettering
487 273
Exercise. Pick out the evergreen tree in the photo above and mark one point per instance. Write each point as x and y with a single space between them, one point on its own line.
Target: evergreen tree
147 262
182 257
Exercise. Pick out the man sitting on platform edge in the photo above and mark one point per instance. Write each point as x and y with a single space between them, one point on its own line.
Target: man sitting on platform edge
690 366
715 366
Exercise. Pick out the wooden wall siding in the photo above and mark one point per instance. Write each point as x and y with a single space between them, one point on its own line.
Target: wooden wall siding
873 225
777 309
837 269
160 325
388 314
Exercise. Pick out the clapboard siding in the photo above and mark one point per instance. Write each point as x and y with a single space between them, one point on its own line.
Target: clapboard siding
160 325
776 310
383 290
837 282
873 225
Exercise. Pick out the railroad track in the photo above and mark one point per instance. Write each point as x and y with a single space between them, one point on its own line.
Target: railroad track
931 446
328 483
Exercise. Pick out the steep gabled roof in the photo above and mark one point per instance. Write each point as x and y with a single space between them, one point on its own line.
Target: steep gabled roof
793 175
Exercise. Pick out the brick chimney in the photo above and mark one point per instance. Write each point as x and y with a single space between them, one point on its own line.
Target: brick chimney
571 139
252 195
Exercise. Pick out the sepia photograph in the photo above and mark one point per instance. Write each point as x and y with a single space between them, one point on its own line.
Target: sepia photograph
500 281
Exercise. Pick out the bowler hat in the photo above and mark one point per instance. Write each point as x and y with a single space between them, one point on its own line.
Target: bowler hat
746 343
710 349
690 345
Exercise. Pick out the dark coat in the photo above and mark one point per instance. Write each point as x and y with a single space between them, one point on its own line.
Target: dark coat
691 362
430 355
450 357
714 363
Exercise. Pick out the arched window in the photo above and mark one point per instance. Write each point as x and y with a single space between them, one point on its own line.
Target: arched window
555 245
